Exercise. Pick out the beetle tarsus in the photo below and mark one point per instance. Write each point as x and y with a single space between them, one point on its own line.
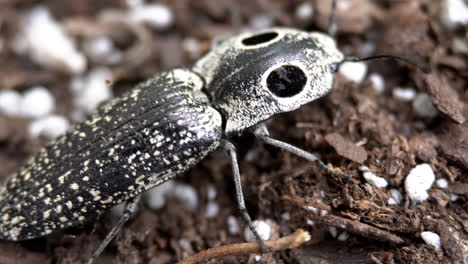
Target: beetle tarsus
261 132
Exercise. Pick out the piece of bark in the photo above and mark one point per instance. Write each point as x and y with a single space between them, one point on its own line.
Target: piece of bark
346 148
445 99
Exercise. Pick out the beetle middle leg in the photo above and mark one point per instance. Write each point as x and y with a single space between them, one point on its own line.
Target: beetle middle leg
130 208
231 150
261 132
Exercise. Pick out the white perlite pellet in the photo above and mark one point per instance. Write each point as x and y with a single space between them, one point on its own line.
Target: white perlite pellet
378 82
233 225
212 209
375 180
186 194
92 89
423 107
37 102
396 197
50 126
404 94
442 183
10 102
432 239
157 16
354 71
454 12
155 198
418 181
47 43
304 12
263 229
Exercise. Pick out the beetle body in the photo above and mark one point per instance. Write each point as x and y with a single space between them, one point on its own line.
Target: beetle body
163 127
158 130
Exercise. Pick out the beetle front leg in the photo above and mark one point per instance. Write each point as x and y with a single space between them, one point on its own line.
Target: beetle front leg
231 150
130 208
261 132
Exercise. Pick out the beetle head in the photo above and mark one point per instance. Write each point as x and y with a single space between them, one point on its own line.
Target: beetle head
253 76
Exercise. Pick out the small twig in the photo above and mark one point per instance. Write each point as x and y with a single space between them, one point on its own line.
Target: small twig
304 202
294 240
359 228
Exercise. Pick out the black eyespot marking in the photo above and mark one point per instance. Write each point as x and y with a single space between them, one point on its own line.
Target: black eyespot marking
259 39
286 81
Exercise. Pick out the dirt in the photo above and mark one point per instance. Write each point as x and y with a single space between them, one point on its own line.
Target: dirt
352 126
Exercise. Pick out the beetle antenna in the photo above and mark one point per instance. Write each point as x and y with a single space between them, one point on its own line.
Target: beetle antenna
332 20
393 57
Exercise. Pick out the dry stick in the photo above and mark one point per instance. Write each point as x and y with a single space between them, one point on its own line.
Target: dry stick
304 202
294 240
359 228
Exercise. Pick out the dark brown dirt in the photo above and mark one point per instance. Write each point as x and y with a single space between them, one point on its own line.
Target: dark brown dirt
351 127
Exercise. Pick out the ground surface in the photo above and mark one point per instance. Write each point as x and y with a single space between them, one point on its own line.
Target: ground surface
378 131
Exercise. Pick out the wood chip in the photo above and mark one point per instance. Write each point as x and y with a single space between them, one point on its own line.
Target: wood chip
346 148
445 99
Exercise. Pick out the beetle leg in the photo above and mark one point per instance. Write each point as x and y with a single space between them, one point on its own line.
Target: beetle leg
130 208
231 150
261 132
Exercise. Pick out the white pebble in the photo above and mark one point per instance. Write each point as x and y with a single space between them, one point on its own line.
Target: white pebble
368 48
10 102
454 12
92 89
418 181
343 236
442 183
378 82
375 180
47 43
423 107
263 229
261 21
285 216
460 45
391 201
304 12
211 192
155 198
233 225
212 209
404 94
432 239
37 102
333 231
134 3
186 194
354 71
185 244
158 16
192 47
50 126
396 196
102 50
454 197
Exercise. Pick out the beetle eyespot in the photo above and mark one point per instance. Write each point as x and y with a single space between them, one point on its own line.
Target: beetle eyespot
286 81
259 39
